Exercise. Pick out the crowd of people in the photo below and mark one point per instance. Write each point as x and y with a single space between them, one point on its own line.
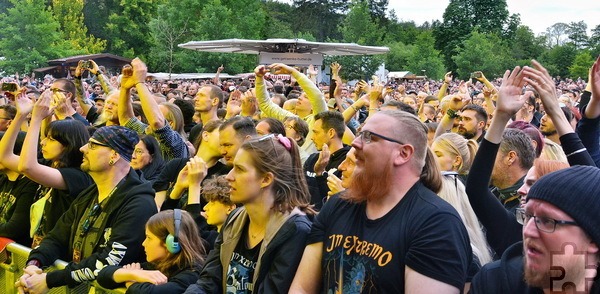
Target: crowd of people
294 186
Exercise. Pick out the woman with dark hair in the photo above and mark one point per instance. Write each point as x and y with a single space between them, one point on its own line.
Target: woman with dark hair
261 243
269 125
148 158
174 256
59 175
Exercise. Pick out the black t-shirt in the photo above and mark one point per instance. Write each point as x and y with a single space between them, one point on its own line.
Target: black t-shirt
60 200
361 255
16 198
241 266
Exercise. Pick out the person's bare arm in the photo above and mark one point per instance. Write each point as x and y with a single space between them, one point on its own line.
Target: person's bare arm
308 276
29 165
416 283
510 101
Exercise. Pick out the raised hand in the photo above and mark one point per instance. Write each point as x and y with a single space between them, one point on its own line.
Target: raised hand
448 77
281 69
24 104
323 160
334 184
539 78
197 170
134 74
46 104
94 69
510 99
595 78
260 71
335 69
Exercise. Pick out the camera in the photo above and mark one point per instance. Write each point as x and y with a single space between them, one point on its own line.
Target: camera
9 87
475 76
86 64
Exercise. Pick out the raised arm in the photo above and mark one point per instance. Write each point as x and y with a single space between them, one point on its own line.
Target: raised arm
84 103
445 85
216 80
500 224
266 106
539 78
104 82
7 158
155 117
316 98
128 81
29 165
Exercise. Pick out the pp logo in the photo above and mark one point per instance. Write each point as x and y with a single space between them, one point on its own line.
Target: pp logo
570 270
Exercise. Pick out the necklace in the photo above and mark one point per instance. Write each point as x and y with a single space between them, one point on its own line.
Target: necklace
256 234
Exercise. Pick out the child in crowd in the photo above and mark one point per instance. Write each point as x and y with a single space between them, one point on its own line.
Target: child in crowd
174 253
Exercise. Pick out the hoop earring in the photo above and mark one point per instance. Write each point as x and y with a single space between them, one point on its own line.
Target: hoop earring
111 162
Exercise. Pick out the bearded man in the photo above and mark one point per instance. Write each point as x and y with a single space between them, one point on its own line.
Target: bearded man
388 232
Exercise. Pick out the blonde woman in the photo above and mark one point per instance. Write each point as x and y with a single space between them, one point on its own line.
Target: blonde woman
454 153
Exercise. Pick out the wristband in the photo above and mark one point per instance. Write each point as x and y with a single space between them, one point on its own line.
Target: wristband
451 113
34 262
354 107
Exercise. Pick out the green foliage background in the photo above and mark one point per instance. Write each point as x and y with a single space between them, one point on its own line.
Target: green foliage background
35 31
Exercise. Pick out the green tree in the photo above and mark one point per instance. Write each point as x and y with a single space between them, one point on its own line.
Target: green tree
34 37
558 59
278 18
360 27
319 17
582 63
525 45
461 17
95 16
482 52
69 14
595 41
129 28
425 57
398 57
577 32
557 34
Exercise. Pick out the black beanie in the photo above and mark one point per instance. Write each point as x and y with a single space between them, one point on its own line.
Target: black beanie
575 191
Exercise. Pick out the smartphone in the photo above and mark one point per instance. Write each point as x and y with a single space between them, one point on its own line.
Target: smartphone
173 86
9 87
85 64
475 76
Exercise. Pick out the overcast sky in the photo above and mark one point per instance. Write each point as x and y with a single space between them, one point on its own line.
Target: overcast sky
536 14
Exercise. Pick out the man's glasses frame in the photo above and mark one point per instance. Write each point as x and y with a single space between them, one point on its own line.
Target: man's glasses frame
542 223
365 137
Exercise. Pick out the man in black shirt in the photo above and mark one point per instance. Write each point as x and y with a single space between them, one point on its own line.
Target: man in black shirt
388 232
328 131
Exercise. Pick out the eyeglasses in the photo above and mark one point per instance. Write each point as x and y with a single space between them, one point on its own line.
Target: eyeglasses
93 145
54 90
6 118
365 137
139 152
544 224
91 218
